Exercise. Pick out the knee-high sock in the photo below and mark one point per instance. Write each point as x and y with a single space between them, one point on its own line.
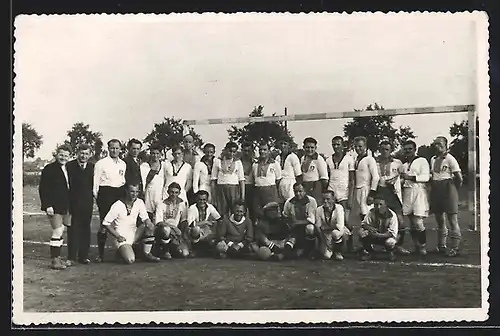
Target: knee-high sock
401 238
56 242
148 244
101 242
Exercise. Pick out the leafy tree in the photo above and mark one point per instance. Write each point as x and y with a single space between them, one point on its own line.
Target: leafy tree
80 134
376 128
270 131
31 140
426 151
459 146
170 133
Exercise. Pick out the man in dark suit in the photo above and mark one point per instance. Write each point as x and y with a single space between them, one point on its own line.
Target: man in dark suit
55 202
133 171
81 181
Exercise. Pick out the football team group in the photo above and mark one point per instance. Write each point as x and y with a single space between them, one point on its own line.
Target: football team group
184 203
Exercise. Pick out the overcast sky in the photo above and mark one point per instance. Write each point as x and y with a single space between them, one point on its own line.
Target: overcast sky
122 74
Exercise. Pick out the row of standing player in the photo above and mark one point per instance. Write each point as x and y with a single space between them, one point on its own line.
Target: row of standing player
258 182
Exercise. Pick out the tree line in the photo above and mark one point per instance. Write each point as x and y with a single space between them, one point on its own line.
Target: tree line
170 131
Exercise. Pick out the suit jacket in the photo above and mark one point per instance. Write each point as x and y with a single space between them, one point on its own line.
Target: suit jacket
53 189
81 182
133 172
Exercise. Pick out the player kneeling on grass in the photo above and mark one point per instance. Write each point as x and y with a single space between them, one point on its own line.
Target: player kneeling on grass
121 223
330 225
300 211
235 233
379 227
272 234
171 221
203 219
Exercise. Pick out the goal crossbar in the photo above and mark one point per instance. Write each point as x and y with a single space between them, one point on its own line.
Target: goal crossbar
470 109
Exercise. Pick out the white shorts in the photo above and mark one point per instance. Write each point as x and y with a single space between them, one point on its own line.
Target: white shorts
285 188
129 237
415 202
341 190
361 195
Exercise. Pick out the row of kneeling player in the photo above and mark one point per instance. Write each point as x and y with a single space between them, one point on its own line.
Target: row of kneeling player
301 229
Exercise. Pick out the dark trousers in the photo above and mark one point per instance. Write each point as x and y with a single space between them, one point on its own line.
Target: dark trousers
106 197
79 234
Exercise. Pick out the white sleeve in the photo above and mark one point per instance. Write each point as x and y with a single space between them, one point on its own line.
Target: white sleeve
287 209
213 212
311 210
297 169
277 169
143 213
351 164
393 226
215 170
339 211
97 177
183 210
112 214
322 170
192 214
196 176
454 166
239 169
372 166
159 212
423 173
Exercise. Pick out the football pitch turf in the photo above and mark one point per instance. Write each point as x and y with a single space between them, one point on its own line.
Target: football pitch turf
212 284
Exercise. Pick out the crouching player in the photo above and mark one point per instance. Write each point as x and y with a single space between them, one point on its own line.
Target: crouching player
171 221
272 234
235 233
379 227
300 212
330 225
121 223
203 219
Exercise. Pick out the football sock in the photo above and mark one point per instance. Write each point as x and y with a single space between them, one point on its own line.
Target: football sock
401 238
148 244
101 241
422 238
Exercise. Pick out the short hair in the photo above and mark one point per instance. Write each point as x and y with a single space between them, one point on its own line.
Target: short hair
84 147
176 148
386 142
114 141
188 135
264 143
209 145
310 140
297 184
201 193
338 137
328 191
131 184
174 185
155 147
231 145
246 144
134 141
444 140
360 138
239 202
65 148
410 142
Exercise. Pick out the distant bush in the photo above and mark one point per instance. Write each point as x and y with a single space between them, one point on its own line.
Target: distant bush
31 179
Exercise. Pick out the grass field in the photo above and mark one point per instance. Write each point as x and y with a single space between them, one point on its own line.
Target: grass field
209 284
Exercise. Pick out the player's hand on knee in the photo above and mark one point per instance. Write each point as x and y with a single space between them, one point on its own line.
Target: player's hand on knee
120 239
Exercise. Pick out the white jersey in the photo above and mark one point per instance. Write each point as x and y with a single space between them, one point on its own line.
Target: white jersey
316 171
211 214
109 172
182 175
125 223
339 176
171 212
418 167
267 178
444 168
389 174
366 172
291 166
201 177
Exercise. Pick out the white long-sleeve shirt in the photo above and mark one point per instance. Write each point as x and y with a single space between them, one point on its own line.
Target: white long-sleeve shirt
232 178
201 178
109 172
291 167
419 168
367 173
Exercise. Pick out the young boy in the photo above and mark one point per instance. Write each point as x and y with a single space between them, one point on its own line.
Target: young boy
235 233
446 180
330 225
121 223
228 179
265 175
171 221
300 212
379 227
203 219
314 171
272 234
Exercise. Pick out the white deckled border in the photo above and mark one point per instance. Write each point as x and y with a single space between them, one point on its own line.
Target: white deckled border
269 316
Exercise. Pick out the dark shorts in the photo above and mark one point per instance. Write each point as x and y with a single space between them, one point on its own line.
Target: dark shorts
391 199
444 197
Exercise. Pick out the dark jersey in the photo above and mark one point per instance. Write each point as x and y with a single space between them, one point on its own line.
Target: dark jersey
273 229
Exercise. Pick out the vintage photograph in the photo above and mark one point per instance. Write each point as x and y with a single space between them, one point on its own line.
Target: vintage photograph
251 168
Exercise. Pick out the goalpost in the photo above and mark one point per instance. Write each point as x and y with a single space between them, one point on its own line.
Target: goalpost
469 109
